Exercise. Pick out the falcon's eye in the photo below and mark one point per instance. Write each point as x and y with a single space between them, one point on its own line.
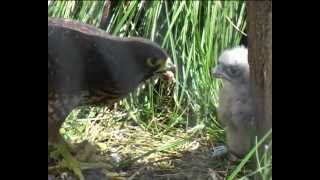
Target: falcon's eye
153 62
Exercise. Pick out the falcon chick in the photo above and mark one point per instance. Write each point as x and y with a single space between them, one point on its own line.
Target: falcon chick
87 66
235 109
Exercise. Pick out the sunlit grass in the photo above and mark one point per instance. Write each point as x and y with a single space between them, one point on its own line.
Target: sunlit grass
193 33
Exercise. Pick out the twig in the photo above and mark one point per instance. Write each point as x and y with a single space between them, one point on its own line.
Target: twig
136 173
93 119
243 33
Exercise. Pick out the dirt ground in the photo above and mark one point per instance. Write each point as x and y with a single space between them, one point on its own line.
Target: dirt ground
121 152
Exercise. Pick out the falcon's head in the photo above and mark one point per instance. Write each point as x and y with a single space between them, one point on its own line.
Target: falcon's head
140 60
233 66
93 59
151 58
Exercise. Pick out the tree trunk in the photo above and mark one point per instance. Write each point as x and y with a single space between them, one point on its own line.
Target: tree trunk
260 61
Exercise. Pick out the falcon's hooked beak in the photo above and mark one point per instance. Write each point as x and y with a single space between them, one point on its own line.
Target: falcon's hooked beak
168 66
168 69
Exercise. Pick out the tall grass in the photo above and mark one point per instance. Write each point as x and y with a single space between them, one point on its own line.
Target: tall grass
194 33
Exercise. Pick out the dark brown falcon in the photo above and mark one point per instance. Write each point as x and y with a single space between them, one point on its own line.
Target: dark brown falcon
87 66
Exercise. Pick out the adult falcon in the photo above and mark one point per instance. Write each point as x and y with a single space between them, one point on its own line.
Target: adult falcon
87 66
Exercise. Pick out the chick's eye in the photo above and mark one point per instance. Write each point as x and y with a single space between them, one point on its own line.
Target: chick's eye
233 71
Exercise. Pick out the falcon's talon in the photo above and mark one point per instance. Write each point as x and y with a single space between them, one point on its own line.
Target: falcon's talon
68 160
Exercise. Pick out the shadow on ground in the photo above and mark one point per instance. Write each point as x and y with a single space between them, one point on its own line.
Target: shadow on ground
107 146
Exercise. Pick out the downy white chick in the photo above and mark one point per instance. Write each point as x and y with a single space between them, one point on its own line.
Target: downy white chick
235 109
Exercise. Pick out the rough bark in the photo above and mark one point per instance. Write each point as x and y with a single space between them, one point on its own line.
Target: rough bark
260 61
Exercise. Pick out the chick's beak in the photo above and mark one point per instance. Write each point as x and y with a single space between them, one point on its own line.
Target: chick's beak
217 72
